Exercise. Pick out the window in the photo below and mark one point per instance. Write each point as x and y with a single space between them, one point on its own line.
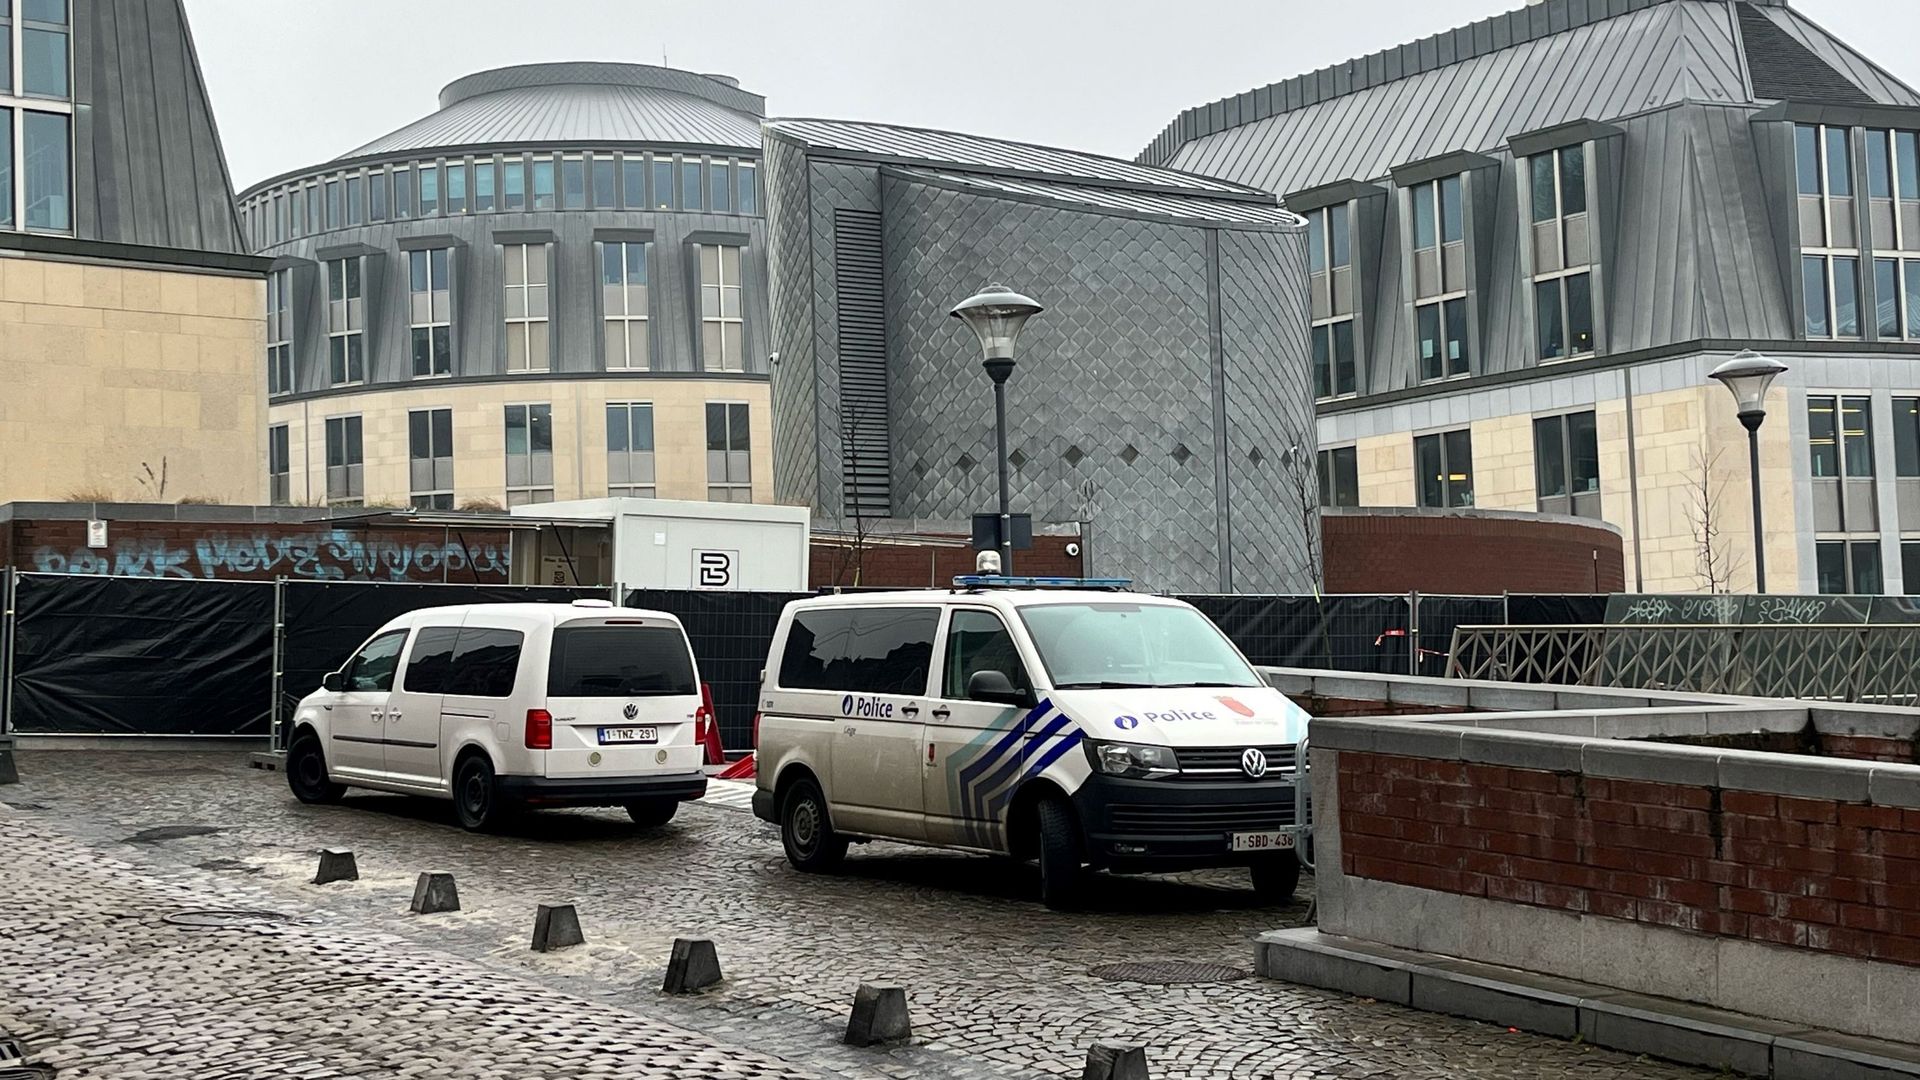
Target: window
630 450
719 186
978 641
46 161
377 195
513 184
884 650
722 331
43 50
1443 339
542 183
346 320
1330 261
279 466
529 454
606 190
356 200
746 198
1443 465
456 187
620 661
402 193
346 480
662 183
313 209
623 291
430 299
525 268
430 458
1910 563
729 457
1850 567
633 182
573 183
1562 254
1566 461
1440 279
333 204
483 177
371 670
690 190
431 660
1845 516
1086 645
1906 446
1841 443
485 663
280 332
1339 477
429 189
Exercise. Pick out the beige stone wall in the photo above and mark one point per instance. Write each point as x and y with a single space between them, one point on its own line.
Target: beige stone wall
1386 469
1503 475
107 371
479 434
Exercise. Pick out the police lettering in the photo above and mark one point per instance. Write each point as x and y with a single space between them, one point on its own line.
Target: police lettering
870 707
1177 714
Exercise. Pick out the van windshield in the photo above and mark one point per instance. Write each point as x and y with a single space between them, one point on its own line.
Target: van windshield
1120 645
619 661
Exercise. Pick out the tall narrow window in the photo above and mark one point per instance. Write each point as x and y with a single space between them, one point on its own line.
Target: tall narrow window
1339 470
529 454
1566 458
47 158
663 183
513 184
630 450
279 466
729 453
430 458
356 200
623 290
377 195
43 49
1846 519
690 188
746 188
573 183
722 332
346 475
633 182
346 323
719 186
542 168
315 221
333 204
1562 254
1444 467
1330 265
525 273
430 310
456 187
402 193
280 332
1887 296
483 184
606 189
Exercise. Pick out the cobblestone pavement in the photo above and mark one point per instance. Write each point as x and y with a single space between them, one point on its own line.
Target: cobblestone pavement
107 844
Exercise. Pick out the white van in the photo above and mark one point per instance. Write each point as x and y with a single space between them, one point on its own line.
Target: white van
498 706
1079 727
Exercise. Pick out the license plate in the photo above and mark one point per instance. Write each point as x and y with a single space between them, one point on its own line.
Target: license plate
609 735
1263 841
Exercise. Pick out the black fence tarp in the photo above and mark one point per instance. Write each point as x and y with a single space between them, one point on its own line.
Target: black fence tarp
1440 615
1352 633
730 633
131 656
1576 610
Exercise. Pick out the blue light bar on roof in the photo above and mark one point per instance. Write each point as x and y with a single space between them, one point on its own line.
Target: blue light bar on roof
998 581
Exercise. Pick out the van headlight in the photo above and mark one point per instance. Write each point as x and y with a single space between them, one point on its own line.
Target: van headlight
1131 759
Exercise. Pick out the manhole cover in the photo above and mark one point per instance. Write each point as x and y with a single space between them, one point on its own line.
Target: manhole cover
215 919
1169 972
161 833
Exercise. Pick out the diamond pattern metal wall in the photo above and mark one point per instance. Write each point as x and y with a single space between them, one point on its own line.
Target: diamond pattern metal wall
796 464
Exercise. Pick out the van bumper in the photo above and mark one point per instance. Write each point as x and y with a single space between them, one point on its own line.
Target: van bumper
1151 826
595 791
763 806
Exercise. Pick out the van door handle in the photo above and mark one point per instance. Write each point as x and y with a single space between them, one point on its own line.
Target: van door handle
392 715
942 713
909 710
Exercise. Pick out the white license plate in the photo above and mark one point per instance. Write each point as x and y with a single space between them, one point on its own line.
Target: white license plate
1263 841
610 735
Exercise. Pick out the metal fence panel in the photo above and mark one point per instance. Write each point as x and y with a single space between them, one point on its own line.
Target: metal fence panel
731 633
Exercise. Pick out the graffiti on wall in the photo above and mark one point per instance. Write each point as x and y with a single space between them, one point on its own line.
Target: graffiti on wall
328 555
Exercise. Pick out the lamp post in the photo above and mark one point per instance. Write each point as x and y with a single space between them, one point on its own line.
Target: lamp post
996 315
1748 376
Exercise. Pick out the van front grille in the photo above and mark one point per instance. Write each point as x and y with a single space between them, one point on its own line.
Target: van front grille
1223 762
1172 819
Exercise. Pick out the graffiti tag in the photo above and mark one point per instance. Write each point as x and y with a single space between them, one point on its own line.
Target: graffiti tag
329 555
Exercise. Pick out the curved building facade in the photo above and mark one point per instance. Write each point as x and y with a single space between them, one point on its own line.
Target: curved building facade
553 287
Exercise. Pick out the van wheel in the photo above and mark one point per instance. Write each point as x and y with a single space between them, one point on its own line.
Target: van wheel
476 799
1061 855
1274 880
652 813
307 772
812 845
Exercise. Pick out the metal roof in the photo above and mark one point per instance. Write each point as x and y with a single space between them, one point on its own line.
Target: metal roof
955 151
585 104
1198 209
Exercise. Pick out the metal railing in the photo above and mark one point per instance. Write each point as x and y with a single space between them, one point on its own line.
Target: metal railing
1872 663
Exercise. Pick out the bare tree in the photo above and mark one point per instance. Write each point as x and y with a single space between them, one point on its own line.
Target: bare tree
1716 561
853 554
1301 486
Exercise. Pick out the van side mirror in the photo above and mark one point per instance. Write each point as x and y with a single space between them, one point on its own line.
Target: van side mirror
994 686
334 682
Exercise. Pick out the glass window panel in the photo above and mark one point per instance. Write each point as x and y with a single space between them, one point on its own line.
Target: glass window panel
429 190
402 193
1823 447
422 349
690 189
1813 280
1806 145
457 188
633 182
513 184
1907 161
1886 297
419 435
1906 446
1550 457
1866 568
1879 166
1579 314
1425 232
1431 364
573 183
1573 180
1459 358
731 345
746 192
738 432
1846 296
442 350
377 196
483 183
540 428
1344 372
1583 451
636 264
48 164
606 190
1430 469
333 204
716 426
6 169
1839 163
719 186
1452 220
517 347
1337 239
1856 431
1547 315
643 430
1830 560
516 429
6 64
710 346
617 428
46 11
1545 207
1317 242
1322 362
43 63
663 183
537 346
438 257
611 259
354 208
543 183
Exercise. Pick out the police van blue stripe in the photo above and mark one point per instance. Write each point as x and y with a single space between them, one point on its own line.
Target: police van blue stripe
980 803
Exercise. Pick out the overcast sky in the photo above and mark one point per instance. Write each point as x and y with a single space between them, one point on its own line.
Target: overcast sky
295 83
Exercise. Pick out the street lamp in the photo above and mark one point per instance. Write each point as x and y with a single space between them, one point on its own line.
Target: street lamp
1748 375
996 314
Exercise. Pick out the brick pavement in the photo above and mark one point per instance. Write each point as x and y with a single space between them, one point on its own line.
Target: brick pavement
999 985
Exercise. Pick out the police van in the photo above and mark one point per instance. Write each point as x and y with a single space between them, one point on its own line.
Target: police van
1065 721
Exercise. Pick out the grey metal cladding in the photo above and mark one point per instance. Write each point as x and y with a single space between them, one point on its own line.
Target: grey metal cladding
1782 68
148 165
1183 208
722 90
1114 385
832 186
797 476
1859 70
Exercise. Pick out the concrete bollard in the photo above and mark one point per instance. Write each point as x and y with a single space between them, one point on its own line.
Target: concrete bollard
435 893
9 774
556 926
695 965
336 864
879 1016
1106 1062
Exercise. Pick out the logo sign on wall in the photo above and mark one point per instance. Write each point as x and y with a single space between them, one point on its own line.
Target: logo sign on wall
714 569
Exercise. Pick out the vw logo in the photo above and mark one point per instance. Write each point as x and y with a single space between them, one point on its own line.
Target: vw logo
1254 763
633 710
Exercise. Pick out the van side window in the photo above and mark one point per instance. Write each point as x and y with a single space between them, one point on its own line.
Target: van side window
373 668
884 650
431 660
485 662
978 641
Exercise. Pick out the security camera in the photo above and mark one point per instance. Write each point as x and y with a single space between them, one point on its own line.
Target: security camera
773 358
1073 550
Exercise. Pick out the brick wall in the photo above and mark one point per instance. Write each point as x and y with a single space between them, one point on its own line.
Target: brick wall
1467 554
244 551
1837 877
1870 748
907 564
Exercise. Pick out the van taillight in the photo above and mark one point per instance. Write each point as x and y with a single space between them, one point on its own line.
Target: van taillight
539 729
756 731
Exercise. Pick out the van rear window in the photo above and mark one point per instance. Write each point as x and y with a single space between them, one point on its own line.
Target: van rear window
620 661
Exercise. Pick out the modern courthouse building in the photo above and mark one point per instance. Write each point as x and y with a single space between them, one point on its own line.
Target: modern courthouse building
131 325
553 287
1534 236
